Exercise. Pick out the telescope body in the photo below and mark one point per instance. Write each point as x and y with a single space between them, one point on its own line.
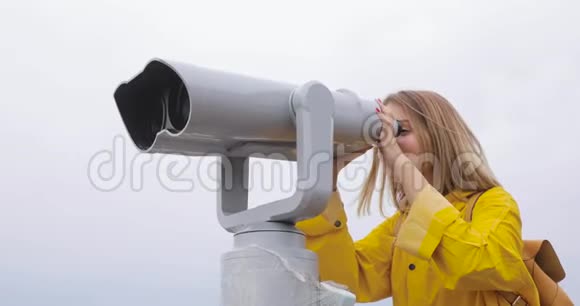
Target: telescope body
178 108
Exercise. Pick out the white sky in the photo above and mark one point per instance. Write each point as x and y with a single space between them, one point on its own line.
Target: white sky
510 67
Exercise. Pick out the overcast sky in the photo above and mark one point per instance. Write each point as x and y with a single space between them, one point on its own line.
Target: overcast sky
512 69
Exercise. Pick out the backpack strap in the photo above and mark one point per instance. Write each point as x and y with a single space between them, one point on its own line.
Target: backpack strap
512 298
468 214
397 225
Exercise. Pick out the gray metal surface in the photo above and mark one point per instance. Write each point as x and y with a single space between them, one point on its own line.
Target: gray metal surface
313 104
229 114
269 266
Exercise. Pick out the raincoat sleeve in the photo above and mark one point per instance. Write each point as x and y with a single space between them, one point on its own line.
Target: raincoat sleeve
364 266
484 254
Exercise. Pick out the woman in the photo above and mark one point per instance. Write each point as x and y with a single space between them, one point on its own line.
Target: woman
426 254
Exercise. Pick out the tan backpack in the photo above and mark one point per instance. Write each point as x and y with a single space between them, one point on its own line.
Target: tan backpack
542 263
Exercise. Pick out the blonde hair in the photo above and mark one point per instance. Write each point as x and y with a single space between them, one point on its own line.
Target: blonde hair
446 140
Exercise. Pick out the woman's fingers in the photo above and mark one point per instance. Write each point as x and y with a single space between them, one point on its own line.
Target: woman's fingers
381 109
386 136
387 119
387 143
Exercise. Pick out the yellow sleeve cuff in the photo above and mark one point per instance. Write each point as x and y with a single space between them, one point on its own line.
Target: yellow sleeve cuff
331 219
429 216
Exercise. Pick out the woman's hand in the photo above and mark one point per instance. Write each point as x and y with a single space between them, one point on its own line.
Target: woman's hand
387 143
410 178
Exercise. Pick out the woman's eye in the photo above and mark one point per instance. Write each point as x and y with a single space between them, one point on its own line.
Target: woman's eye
403 131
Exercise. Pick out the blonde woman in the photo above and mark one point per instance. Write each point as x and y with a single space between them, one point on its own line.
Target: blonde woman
426 254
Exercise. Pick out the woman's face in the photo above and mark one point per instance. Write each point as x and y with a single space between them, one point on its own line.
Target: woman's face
408 140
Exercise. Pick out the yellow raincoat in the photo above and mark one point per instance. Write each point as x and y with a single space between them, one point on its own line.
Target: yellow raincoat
436 259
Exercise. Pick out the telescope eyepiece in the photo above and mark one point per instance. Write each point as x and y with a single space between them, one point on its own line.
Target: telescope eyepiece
176 106
155 100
